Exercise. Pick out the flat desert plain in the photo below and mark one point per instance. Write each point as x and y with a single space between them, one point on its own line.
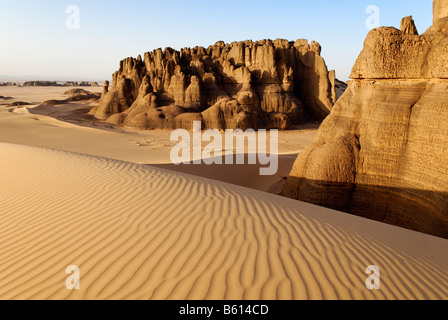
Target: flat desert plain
75 192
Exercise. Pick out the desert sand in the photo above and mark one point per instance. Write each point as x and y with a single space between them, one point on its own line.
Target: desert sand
138 232
68 128
75 193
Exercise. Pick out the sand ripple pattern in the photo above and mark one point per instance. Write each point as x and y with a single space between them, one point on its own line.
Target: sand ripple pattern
142 233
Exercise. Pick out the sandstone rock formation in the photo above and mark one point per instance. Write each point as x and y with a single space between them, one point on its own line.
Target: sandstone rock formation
382 153
77 92
40 84
440 12
264 84
59 84
18 104
75 95
82 95
407 26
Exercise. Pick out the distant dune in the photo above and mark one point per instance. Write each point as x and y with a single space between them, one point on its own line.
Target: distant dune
138 232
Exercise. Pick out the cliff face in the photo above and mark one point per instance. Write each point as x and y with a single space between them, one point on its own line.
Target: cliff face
382 153
264 84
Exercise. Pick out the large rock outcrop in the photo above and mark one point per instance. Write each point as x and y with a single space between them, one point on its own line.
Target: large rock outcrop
382 153
264 84
59 84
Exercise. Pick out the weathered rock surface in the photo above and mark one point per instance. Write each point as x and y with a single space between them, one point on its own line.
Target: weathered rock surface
81 92
382 153
58 84
407 26
390 53
440 12
264 84
19 103
75 95
40 84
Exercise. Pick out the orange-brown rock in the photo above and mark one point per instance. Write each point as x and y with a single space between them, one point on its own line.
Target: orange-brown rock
264 84
382 153
407 26
74 95
440 13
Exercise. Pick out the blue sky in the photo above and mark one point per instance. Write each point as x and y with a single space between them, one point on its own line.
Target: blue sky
34 40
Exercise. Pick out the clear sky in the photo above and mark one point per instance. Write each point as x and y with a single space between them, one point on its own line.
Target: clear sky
34 39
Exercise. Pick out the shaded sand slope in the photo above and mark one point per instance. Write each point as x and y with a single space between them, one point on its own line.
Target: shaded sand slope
138 232
245 175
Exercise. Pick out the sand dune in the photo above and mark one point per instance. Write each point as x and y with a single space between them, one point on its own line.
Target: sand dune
68 128
244 175
138 232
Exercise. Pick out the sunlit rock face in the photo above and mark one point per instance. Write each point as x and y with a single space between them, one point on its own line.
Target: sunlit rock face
382 153
264 84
